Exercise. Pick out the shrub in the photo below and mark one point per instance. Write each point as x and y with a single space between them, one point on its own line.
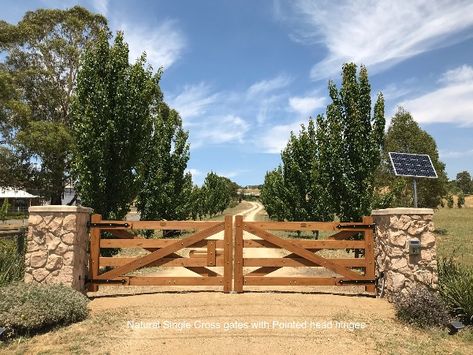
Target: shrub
31 308
421 307
450 201
456 288
461 200
4 210
12 260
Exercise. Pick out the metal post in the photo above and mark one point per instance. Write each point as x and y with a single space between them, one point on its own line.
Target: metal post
415 192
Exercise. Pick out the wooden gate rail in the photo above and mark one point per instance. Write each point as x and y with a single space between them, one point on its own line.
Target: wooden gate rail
302 253
162 253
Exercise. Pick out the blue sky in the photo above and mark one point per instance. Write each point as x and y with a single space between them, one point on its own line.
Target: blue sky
243 74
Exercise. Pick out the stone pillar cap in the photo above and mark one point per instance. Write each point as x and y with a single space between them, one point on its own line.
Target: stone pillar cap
60 208
402 211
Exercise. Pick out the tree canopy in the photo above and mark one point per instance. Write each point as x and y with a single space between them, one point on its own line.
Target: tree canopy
404 135
329 168
165 187
112 125
37 82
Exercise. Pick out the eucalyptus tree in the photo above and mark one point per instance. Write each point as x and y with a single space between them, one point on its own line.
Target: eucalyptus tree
41 64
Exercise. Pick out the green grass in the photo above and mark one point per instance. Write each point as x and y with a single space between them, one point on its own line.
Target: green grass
454 231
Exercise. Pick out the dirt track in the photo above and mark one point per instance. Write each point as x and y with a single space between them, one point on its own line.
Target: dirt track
299 308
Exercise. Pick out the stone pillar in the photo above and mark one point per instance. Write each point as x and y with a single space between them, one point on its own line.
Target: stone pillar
57 245
402 271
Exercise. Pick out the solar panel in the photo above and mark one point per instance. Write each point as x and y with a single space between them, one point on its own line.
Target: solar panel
413 165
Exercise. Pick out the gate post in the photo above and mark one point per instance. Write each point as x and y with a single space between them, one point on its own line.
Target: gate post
398 230
57 245
228 254
94 252
369 254
239 254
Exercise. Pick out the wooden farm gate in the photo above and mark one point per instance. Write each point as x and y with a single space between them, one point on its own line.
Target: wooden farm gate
304 253
209 248
161 252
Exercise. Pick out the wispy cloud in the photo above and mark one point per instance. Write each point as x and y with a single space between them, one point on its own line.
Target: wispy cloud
193 101
217 117
378 34
163 44
218 130
451 103
306 105
463 73
266 86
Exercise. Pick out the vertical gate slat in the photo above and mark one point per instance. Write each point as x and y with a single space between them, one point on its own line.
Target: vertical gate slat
369 254
211 253
228 254
239 254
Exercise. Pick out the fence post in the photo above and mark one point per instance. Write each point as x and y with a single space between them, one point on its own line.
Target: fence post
369 254
94 252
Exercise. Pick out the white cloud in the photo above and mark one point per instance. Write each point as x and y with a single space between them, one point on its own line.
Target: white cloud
381 33
193 101
451 103
231 174
454 154
163 44
101 6
194 172
274 139
458 75
218 130
306 105
266 86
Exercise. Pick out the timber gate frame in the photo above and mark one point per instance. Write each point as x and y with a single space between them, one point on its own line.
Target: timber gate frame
302 254
162 253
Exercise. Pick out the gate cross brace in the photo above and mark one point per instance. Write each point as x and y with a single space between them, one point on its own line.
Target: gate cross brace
161 253
304 253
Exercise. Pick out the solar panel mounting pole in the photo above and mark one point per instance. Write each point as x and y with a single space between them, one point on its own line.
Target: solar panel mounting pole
415 192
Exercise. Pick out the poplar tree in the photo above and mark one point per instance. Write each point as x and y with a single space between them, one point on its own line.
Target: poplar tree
112 123
165 187
352 138
294 190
